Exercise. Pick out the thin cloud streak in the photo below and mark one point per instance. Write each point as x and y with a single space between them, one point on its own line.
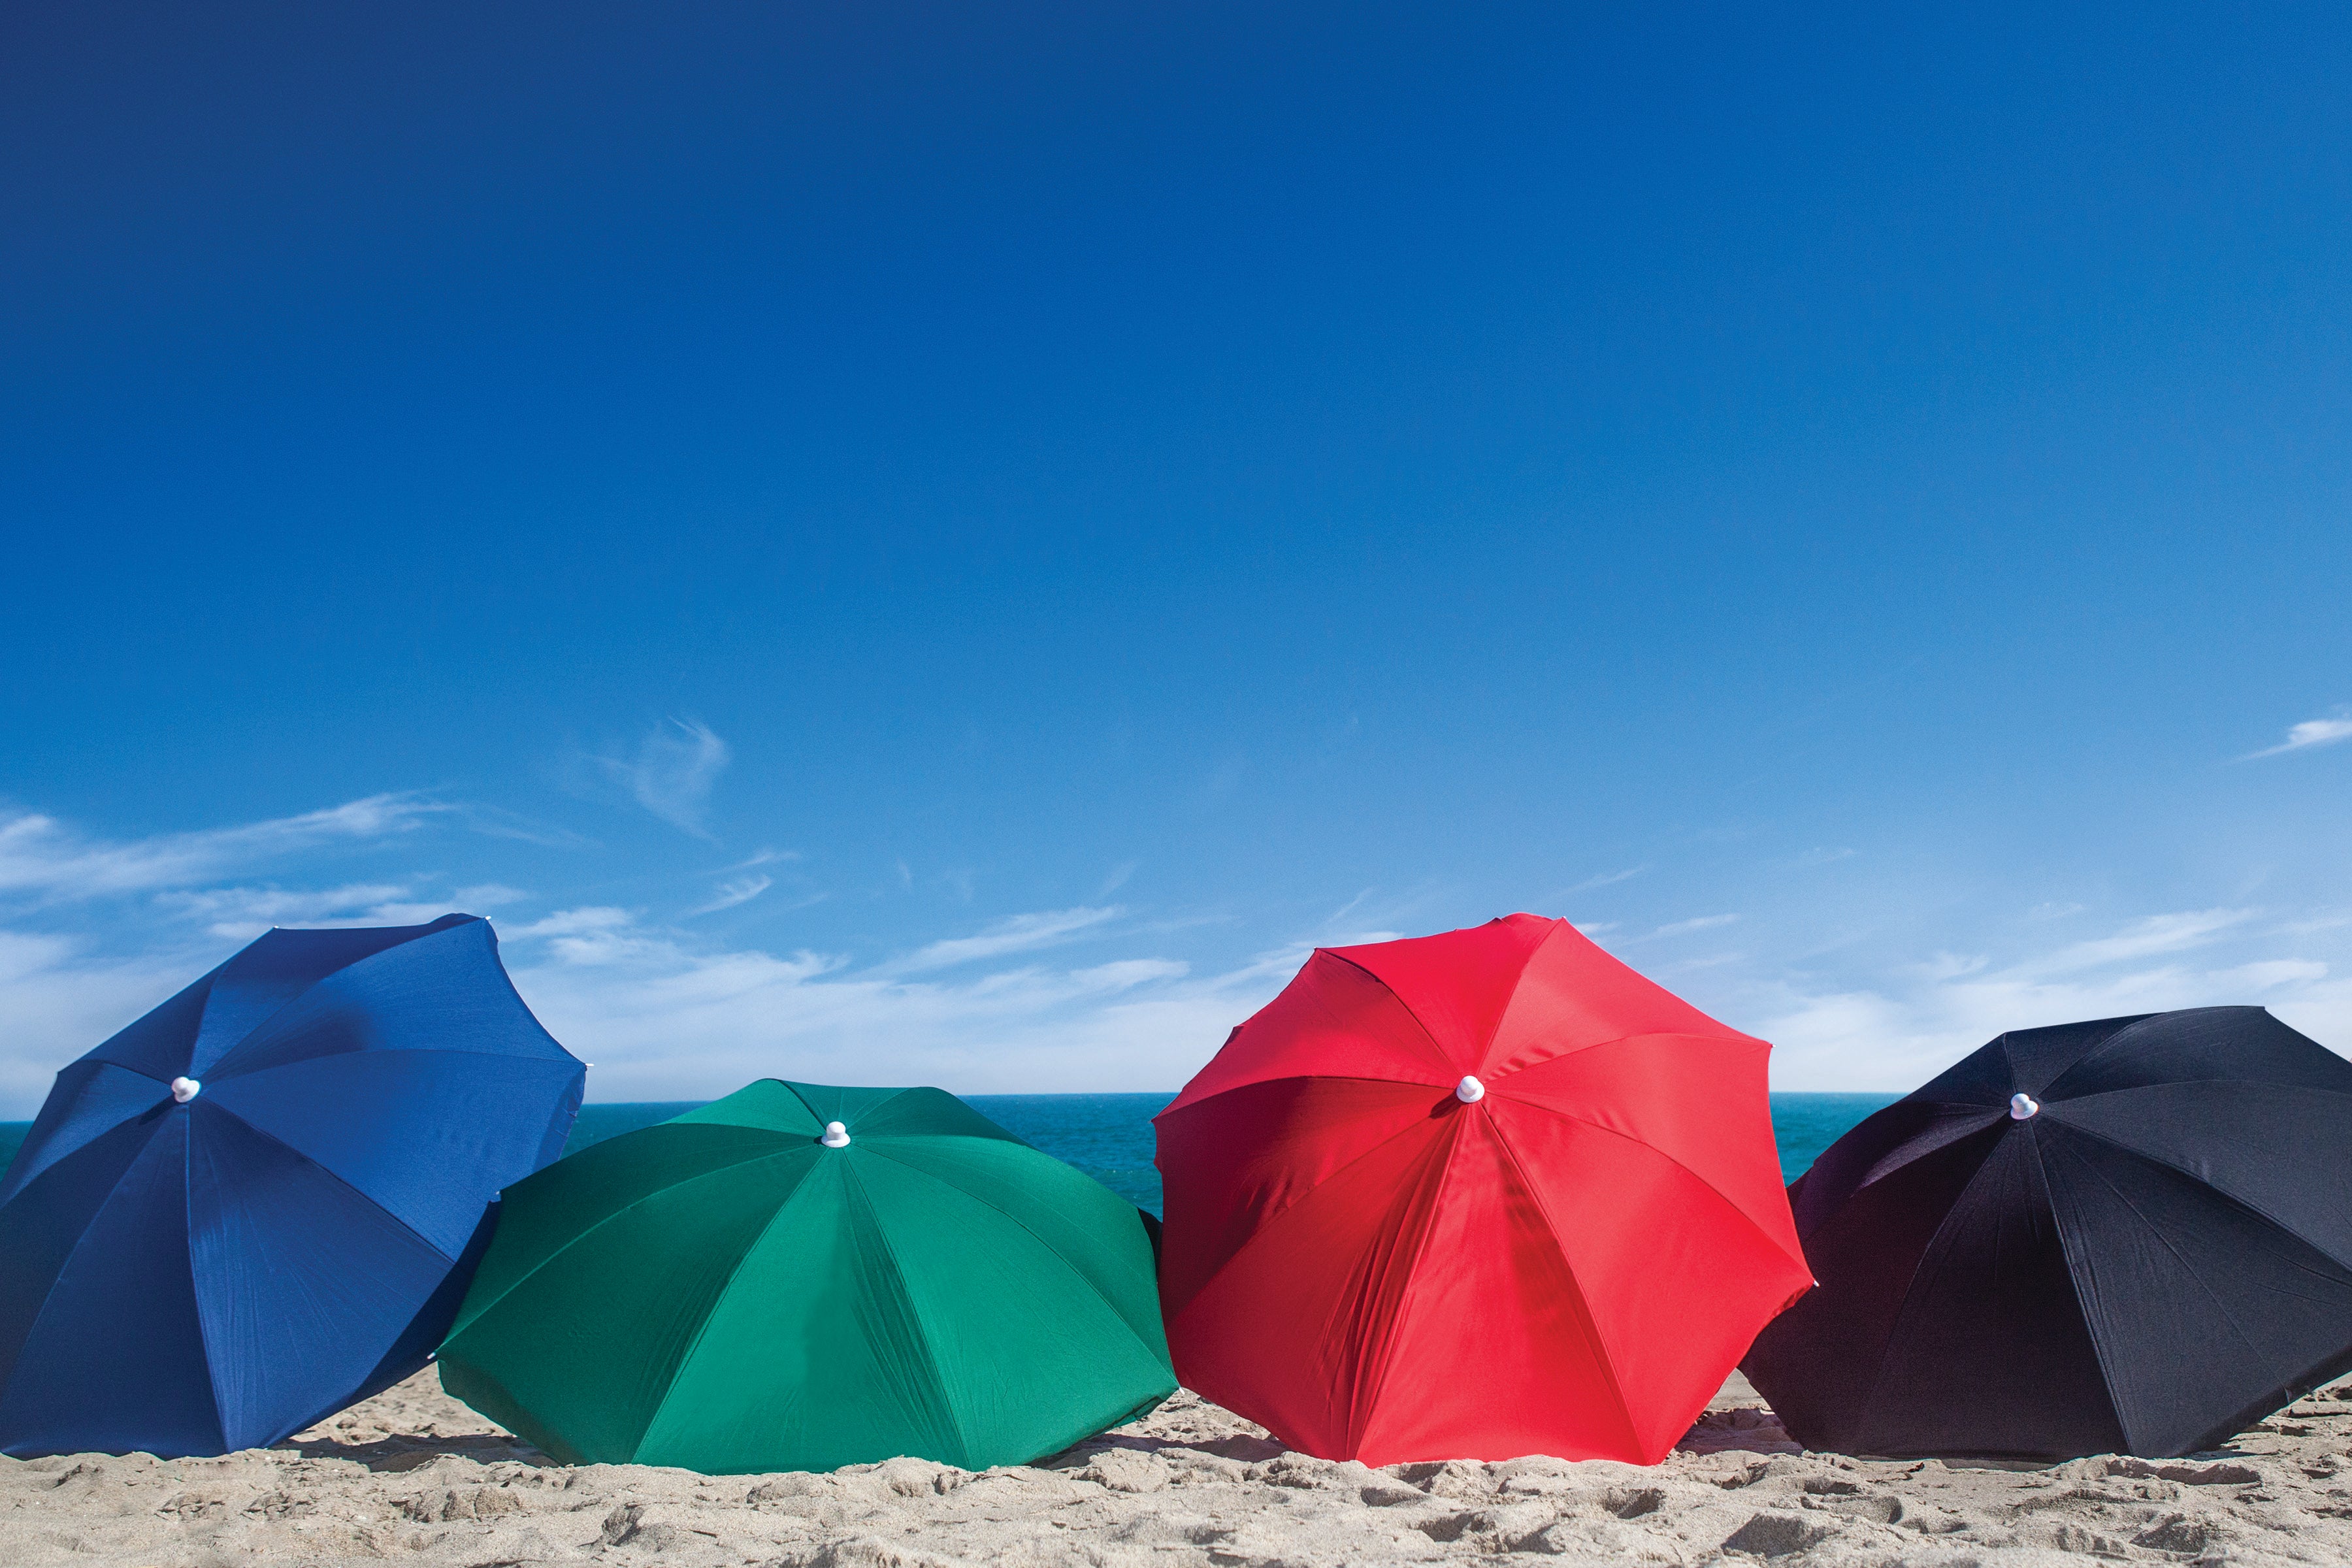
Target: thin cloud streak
1020 934
672 774
2305 736
42 857
733 892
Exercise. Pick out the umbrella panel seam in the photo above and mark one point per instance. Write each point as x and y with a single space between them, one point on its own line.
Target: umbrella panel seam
1426 1033
1259 1228
586 1231
2166 1242
1600 1340
338 1178
718 1297
1721 1195
1053 1251
2264 1216
1391 1333
218 1077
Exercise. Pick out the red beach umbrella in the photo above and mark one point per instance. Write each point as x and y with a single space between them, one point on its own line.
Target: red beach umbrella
1473 1196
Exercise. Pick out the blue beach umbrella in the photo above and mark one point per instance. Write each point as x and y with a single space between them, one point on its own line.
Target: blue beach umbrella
264 1200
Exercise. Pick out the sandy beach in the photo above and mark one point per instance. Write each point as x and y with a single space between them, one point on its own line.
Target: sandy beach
412 1475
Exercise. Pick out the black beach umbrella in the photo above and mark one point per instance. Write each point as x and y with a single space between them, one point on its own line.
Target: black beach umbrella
2133 1235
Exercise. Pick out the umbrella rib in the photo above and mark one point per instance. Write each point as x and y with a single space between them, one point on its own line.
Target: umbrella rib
2166 1244
718 1297
1265 1220
1053 1251
914 1317
218 1075
524 1278
1389 1334
1600 1340
323 1170
1645 1144
1425 1033
2264 1215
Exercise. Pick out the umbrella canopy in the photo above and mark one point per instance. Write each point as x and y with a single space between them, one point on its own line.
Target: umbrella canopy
799 1278
254 1204
1474 1195
2130 1235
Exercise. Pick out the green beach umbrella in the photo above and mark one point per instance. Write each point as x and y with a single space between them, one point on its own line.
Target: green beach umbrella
799 1278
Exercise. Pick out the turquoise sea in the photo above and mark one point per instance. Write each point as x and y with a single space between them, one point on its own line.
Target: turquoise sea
1108 1136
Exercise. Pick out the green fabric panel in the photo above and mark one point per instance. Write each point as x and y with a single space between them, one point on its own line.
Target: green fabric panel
850 1106
813 1359
1091 1231
924 1111
1032 1356
770 1103
550 1210
578 1356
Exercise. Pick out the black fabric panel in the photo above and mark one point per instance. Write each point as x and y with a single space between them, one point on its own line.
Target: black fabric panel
1881 1144
2038 1058
2231 1136
2203 1310
1980 1078
2201 1044
1990 1354
1816 1362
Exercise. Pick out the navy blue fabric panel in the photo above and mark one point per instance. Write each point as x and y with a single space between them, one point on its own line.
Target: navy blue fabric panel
279 967
2038 1058
431 1136
2216 1316
304 1284
1989 1353
90 1099
1818 1361
1980 1078
116 1360
1882 1144
2226 1135
158 1044
42 1225
443 992
423 1337
2206 1045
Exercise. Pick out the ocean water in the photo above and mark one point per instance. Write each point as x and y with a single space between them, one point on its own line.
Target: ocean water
1108 1136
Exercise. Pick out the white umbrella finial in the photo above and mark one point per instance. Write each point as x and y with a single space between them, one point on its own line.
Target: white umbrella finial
2022 1105
836 1136
1469 1092
185 1090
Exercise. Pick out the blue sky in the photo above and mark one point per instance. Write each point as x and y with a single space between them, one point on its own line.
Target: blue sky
953 545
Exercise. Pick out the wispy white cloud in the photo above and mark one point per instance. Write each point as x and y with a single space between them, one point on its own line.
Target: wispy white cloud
241 913
665 1018
676 764
735 890
1606 880
47 859
1019 933
2142 939
1685 928
1909 1024
2303 737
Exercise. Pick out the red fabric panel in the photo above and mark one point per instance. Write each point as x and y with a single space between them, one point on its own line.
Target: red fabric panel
1495 1353
1457 984
1676 1281
1294 1332
1700 1102
1333 1020
1571 995
1229 1165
